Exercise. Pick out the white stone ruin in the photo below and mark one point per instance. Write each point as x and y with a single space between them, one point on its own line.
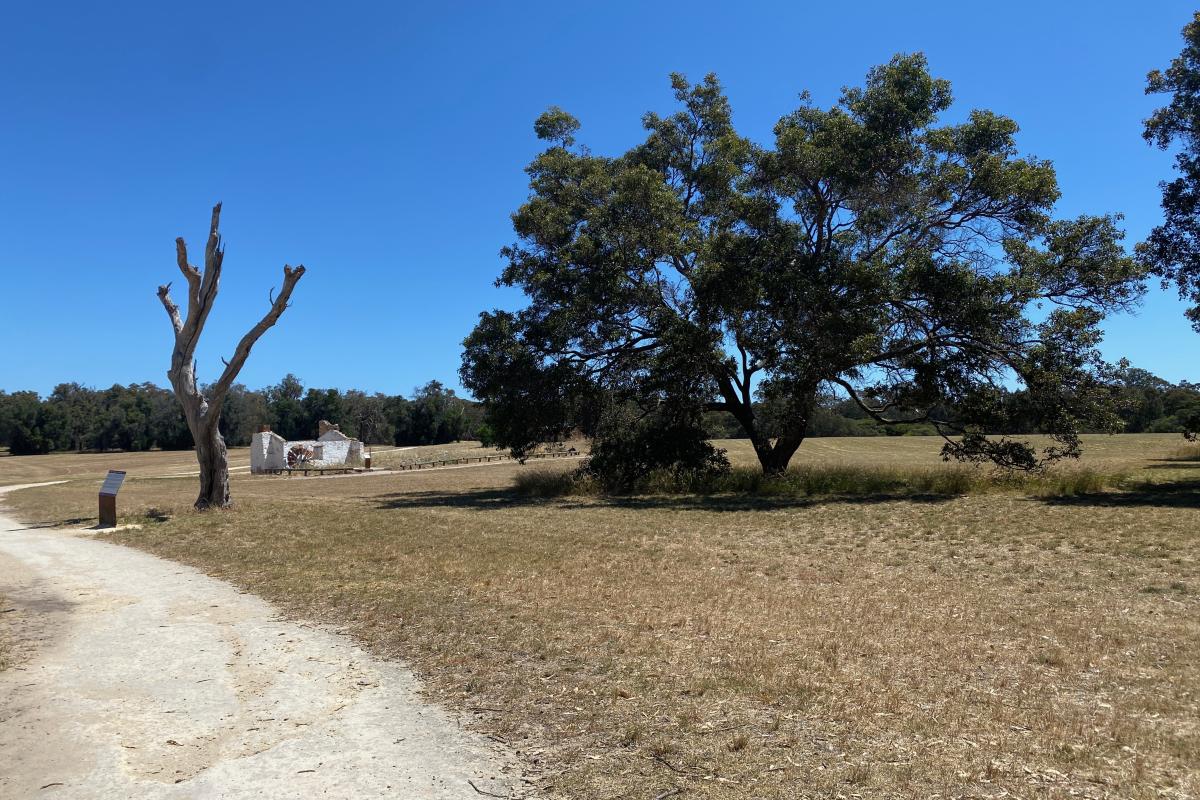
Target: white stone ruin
332 449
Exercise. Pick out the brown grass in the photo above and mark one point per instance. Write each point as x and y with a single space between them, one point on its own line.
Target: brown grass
89 466
744 647
427 453
824 480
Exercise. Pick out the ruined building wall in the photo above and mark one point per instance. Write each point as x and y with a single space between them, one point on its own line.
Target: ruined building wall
269 451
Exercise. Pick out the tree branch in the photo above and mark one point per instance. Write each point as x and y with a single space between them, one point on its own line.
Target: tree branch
214 256
290 277
190 272
172 309
202 288
876 413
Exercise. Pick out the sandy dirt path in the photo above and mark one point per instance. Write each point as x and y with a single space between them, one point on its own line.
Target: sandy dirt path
148 679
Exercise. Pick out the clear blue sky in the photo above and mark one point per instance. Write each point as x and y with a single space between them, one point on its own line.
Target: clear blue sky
383 147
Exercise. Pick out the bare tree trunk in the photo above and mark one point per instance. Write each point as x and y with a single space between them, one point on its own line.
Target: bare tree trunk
203 413
214 470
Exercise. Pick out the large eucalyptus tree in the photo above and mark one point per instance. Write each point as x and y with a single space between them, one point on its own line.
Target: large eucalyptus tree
868 249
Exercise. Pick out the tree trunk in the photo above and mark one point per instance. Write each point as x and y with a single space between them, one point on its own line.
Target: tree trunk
775 457
214 469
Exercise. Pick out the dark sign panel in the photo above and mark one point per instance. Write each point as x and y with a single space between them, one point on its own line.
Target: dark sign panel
112 484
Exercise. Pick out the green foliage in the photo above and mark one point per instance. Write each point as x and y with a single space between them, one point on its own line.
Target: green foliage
627 451
434 415
868 250
1150 404
487 438
287 416
322 404
1144 403
242 414
1173 248
143 416
74 417
19 422
1189 420
531 401
365 416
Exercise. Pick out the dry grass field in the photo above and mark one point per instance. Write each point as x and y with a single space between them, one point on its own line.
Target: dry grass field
93 466
984 645
391 457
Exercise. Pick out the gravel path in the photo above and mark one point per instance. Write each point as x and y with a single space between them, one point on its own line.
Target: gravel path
148 679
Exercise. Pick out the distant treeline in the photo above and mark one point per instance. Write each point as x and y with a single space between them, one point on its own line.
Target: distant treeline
144 417
1146 404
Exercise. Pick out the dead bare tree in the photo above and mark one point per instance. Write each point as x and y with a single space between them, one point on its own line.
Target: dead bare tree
203 413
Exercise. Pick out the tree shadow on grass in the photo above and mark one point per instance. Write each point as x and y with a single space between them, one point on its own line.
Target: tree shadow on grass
1167 494
1172 494
1174 463
494 499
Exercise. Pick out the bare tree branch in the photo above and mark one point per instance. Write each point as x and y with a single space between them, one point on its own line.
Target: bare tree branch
190 272
214 255
290 277
202 288
172 309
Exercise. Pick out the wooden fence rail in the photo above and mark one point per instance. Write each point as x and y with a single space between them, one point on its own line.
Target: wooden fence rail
446 462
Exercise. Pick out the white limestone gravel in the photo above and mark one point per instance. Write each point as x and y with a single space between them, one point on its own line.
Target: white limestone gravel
148 679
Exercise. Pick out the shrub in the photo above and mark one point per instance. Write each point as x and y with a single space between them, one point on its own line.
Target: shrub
670 453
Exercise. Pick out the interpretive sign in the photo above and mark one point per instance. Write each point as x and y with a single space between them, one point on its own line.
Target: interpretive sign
108 497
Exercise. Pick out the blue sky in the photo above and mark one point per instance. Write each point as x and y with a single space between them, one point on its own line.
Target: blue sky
382 145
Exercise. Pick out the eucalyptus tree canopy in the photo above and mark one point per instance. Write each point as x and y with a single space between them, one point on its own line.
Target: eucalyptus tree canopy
868 248
1173 248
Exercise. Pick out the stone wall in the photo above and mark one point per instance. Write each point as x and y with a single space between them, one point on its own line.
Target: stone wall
266 451
334 449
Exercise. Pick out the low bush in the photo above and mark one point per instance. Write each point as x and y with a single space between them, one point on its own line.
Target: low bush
670 454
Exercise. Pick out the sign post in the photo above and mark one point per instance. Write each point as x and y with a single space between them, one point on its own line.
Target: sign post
108 498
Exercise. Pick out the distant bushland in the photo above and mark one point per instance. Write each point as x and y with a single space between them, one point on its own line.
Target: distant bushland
1145 404
143 416
146 417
